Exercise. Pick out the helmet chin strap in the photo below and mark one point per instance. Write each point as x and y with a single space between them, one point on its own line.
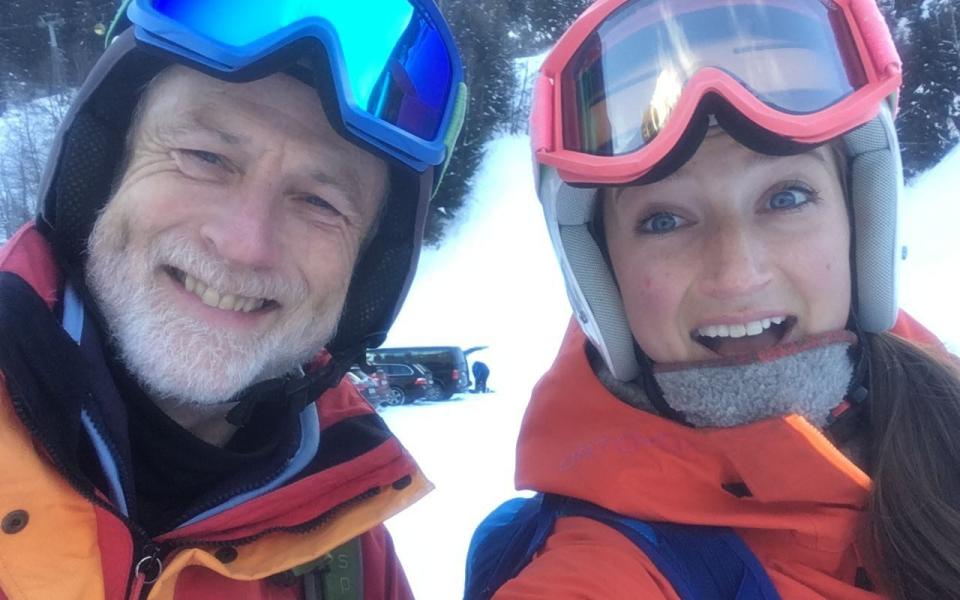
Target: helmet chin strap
653 390
297 389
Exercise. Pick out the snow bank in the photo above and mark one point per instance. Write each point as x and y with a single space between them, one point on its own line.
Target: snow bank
929 286
494 283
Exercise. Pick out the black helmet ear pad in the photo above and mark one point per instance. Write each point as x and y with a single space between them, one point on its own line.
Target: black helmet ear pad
91 152
384 271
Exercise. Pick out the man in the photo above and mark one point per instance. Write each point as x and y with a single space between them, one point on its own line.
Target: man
480 373
223 231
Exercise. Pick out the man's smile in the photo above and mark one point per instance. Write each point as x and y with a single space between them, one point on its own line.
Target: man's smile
216 298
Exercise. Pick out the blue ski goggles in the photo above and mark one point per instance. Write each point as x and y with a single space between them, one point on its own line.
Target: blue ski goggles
395 68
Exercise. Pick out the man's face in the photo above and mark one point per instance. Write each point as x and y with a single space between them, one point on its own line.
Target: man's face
224 256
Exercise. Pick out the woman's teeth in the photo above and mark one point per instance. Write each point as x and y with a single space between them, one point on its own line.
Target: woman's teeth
739 330
217 299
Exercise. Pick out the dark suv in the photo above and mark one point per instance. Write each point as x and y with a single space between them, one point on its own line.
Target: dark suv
408 383
447 363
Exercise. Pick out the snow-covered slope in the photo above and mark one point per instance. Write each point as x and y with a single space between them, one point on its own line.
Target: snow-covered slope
495 281
930 286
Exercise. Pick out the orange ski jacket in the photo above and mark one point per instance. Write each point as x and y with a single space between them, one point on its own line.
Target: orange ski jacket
803 515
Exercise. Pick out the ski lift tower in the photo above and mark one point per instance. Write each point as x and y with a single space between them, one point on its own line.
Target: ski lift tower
51 22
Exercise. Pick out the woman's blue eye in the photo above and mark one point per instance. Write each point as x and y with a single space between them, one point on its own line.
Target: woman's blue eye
663 222
789 198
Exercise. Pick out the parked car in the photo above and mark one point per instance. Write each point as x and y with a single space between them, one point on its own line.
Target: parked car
368 387
447 363
375 373
408 383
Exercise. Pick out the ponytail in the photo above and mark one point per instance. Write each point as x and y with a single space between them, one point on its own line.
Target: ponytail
915 464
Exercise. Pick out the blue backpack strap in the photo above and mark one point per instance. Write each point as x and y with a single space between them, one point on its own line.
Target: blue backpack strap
505 542
701 562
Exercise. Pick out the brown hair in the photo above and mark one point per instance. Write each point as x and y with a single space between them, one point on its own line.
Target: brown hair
915 463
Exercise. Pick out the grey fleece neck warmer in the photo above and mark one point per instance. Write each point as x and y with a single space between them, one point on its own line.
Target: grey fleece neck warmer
809 378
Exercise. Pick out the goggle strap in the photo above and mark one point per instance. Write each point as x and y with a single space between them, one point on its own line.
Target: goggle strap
112 31
541 117
453 131
876 34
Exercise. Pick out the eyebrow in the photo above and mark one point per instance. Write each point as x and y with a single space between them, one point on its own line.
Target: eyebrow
195 120
764 160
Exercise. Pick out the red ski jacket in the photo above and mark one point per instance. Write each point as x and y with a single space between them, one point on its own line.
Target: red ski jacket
804 517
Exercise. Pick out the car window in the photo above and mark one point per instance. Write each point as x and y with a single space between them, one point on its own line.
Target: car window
398 370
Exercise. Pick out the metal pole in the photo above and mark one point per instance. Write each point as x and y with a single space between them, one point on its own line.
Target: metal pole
51 21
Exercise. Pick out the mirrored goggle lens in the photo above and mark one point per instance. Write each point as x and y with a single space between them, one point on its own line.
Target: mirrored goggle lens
622 84
397 64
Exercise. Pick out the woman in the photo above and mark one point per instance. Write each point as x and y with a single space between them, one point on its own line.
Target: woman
720 182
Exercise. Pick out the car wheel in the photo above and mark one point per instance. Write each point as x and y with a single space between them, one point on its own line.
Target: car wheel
396 396
435 392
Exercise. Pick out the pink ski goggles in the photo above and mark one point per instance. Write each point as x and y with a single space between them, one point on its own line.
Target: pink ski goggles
619 90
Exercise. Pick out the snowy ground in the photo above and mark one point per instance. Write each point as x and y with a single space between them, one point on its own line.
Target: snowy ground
495 283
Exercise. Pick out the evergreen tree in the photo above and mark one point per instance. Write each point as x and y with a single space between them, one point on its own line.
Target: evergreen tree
537 24
490 35
481 30
927 37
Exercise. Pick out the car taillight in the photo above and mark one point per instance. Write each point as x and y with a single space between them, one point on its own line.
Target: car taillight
455 375
420 381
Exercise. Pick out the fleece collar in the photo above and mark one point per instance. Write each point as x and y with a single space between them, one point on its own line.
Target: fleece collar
809 378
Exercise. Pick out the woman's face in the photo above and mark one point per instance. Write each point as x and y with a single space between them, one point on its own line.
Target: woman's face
734 253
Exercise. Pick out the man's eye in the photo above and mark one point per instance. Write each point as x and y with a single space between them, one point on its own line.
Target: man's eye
207 157
662 222
320 203
791 197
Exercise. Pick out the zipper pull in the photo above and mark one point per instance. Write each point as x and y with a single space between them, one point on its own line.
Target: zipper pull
150 566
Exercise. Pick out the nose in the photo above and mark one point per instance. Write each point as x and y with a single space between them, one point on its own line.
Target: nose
243 228
736 263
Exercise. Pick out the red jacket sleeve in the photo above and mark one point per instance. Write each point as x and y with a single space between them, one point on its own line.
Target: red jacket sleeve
911 330
383 577
586 560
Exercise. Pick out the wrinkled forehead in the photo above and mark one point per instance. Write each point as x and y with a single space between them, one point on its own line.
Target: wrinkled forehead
278 110
278 101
